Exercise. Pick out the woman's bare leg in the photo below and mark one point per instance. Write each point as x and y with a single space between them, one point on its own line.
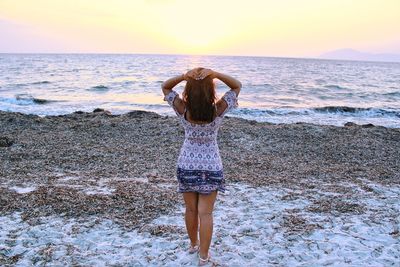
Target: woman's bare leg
191 216
205 209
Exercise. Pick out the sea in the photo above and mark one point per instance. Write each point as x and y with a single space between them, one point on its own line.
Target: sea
275 90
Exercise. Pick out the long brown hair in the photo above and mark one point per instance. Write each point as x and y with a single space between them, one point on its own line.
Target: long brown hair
199 97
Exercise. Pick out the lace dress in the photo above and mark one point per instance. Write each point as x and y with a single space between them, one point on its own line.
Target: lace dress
199 166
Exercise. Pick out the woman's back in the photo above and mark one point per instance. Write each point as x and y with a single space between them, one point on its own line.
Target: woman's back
199 165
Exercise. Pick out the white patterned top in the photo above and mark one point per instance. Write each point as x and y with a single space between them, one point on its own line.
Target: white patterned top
199 166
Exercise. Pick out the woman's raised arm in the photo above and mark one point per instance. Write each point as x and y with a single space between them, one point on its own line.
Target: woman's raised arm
171 83
233 83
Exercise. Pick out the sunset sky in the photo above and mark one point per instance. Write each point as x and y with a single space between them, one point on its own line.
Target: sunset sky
298 28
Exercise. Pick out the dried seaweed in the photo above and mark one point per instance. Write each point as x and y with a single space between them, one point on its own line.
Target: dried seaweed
335 204
62 156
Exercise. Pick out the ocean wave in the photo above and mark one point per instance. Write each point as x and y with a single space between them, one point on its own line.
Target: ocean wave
333 110
32 83
320 81
335 86
98 88
41 82
360 112
26 99
397 93
340 109
370 85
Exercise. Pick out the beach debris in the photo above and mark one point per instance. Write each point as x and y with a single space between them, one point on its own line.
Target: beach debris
101 110
162 230
350 124
292 183
368 125
5 141
252 226
335 204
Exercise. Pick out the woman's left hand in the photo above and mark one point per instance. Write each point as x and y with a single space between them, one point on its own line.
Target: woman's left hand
207 72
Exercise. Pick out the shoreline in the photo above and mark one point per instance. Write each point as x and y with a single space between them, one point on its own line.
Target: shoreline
110 114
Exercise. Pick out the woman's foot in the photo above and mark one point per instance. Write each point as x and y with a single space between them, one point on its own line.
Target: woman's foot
194 249
204 261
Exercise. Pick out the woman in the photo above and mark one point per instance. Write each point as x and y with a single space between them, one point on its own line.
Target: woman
199 168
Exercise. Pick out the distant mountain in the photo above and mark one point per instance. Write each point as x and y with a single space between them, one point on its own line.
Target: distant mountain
351 54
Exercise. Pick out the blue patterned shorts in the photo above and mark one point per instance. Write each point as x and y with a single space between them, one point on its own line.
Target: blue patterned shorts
201 181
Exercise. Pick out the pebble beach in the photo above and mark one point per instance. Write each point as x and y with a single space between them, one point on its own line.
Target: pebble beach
99 189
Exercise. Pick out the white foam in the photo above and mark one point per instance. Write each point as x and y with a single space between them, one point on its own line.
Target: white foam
23 190
248 231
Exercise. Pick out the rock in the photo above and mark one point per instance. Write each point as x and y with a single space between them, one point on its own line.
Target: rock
395 233
100 110
5 141
142 113
248 255
136 113
40 101
369 125
350 124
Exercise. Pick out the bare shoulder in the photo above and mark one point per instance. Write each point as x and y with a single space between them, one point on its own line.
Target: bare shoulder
222 105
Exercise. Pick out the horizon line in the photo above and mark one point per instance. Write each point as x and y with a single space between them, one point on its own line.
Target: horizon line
161 54
188 55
